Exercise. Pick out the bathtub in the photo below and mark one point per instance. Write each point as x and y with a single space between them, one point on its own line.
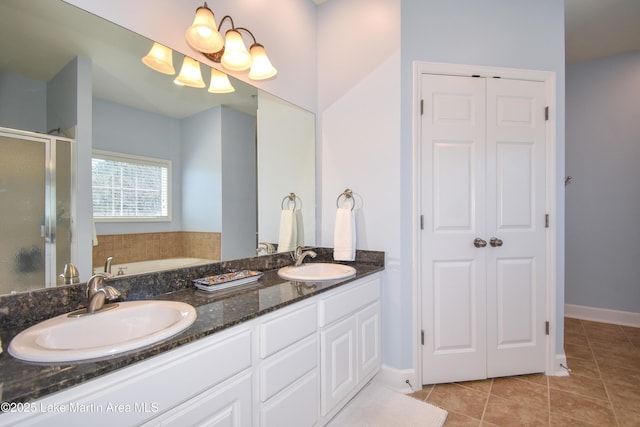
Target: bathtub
151 266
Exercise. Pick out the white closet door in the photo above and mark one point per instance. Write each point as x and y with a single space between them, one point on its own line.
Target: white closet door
516 191
453 197
483 177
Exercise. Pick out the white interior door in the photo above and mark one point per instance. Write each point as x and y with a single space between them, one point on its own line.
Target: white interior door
516 279
453 197
483 177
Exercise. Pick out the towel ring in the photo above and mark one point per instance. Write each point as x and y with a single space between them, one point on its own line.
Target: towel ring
348 194
291 198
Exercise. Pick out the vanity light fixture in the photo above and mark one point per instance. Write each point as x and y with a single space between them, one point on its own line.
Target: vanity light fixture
220 82
190 74
160 58
232 53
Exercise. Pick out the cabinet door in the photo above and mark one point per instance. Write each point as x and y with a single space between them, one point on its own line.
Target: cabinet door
338 362
368 341
226 405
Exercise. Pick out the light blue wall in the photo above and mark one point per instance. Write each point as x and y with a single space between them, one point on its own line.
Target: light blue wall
127 130
239 197
503 33
23 103
202 174
603 201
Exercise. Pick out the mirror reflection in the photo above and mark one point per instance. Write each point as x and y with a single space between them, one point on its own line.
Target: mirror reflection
234 157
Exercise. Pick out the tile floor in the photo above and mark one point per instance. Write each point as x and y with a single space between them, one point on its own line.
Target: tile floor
603 388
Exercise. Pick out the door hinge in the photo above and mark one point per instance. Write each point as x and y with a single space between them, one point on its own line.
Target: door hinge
546 327
422 107
422 337
546 113
421 222
546 221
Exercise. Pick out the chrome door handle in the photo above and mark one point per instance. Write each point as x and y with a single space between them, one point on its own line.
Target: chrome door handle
495 242
479 243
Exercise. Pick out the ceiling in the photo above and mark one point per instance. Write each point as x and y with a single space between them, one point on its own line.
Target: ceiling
598 28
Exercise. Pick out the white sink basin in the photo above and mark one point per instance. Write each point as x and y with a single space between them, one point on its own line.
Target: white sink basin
129 326
317 271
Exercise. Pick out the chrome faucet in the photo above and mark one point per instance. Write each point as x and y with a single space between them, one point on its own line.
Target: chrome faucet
265 248
107 265
97 293
300 255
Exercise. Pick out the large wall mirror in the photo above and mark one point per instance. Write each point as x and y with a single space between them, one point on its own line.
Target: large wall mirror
235 157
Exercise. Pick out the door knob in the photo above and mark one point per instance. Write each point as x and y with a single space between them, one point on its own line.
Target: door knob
495 242
479 243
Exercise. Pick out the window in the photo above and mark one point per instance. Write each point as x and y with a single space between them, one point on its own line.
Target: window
130 188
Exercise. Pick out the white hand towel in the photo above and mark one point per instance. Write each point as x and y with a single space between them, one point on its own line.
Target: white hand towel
344 235
299 228
288 231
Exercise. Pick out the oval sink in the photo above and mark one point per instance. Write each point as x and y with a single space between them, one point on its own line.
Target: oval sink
129 326
317 271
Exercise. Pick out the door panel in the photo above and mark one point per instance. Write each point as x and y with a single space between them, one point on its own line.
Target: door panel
516 280
453 191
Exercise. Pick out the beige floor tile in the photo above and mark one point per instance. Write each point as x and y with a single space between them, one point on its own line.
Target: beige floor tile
562 421
525 392
579 351
422 394
458 420
628 418
594 411
456 398
620 356
573 325
514 412
583 367
612 375
576 338
541 379
584 386
624 397
480 385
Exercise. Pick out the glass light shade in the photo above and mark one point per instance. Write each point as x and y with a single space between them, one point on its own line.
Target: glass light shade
236 56
203 34
190 74
220 82
261 67
160 58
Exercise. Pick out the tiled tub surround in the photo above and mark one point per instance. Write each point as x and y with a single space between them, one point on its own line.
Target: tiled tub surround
23 382
136 247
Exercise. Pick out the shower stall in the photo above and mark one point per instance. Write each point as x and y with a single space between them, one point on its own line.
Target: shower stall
37 209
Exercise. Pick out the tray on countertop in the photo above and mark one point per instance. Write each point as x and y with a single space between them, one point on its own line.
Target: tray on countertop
227 280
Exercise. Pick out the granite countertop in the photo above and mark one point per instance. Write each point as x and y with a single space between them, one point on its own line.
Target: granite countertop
23 381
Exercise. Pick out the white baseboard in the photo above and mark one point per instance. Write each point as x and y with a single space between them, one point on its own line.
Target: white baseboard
396 379
625 318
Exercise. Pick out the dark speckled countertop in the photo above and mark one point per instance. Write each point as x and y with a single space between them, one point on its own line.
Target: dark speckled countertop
22 382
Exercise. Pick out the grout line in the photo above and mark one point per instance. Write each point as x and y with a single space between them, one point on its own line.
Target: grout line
486 403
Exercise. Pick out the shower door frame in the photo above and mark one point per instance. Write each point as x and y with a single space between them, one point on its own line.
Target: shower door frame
49 228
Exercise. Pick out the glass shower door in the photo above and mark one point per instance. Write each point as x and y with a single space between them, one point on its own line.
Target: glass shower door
22 213
35 210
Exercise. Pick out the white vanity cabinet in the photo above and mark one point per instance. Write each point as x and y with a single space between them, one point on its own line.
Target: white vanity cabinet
288 367
209 380
349 321
297 366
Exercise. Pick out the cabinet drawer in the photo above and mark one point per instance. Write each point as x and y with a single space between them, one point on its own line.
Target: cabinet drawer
297 406
348 301
279 371
287 328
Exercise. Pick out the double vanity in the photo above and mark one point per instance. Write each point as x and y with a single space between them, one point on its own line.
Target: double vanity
275 352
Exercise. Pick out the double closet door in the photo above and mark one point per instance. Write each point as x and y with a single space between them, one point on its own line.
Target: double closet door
483 243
